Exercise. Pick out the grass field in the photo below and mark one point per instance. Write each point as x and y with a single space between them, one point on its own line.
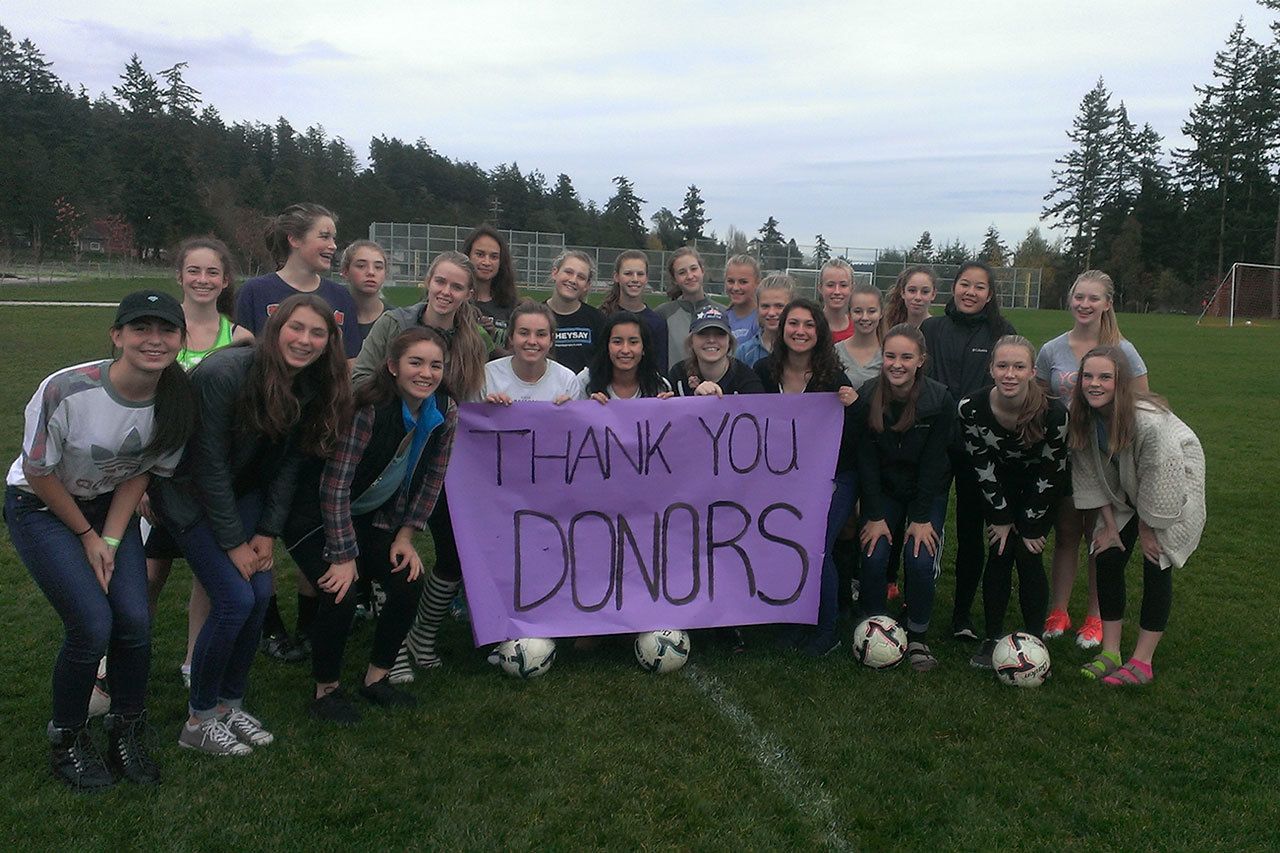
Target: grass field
763 750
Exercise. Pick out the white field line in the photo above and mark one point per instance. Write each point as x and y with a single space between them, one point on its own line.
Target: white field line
805 793
68 304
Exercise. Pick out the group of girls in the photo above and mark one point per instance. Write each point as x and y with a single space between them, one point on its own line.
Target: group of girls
324 420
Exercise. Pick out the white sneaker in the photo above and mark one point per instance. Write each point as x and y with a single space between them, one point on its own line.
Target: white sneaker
247 728
100 699
212 736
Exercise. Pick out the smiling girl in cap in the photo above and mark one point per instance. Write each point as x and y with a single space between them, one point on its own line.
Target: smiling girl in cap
709 367
94 436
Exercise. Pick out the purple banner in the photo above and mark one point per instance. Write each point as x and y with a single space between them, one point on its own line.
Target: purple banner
640 515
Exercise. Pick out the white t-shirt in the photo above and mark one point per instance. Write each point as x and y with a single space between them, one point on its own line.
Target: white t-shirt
1058 365
80 429
556 381
584 380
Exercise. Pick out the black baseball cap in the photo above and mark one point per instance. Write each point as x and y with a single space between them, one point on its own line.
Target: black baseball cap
151 303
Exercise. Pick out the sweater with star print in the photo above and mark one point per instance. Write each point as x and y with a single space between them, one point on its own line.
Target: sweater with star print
1019 484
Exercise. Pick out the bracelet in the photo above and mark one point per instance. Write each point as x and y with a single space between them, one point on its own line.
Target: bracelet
86 530
112 541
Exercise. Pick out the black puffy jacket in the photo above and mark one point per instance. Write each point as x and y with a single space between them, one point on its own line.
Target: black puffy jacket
960 347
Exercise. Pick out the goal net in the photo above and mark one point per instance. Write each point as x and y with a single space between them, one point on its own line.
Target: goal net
1249 292
807 278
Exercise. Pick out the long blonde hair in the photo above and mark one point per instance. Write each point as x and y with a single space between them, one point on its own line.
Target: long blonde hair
1108 328
465 360
1029 423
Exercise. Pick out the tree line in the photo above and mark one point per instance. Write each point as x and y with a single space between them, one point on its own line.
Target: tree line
149 162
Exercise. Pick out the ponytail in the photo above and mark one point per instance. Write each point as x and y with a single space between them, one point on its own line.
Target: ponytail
1029 423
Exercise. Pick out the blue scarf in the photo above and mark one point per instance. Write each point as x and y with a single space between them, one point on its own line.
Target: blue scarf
428 419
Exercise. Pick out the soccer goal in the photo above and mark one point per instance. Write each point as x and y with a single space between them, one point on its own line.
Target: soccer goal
1249 292
808 278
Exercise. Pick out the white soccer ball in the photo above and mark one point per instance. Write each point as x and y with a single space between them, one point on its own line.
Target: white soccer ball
879 642
527 657
1021 660
662 651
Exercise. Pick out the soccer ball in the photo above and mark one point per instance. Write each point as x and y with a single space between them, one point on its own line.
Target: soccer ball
1021 660
879 642
662 651
528 657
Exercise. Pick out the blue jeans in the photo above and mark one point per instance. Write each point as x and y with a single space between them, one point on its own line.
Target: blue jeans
921 570
228 641
115 623
842 501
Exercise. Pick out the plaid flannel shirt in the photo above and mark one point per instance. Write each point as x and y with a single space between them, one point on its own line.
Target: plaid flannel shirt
403 510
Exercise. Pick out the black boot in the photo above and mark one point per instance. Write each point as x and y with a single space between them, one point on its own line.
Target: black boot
76 761
127 748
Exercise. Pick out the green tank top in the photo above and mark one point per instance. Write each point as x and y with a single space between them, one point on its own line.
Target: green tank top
189 358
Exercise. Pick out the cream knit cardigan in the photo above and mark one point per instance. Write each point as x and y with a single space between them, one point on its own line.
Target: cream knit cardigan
1161 475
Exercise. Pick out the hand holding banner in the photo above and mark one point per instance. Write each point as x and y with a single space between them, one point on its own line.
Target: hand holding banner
638 515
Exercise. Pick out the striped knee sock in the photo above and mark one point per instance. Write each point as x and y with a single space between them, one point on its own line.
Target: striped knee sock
432 607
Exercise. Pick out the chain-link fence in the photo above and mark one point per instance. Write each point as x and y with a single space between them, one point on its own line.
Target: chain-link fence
410 248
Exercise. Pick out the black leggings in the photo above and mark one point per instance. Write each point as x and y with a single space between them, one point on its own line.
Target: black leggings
448 566
332 622
1157 584
970 544
997 583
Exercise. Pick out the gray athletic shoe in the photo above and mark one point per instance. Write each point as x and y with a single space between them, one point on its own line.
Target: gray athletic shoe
247 728
982 657
920 657
212 736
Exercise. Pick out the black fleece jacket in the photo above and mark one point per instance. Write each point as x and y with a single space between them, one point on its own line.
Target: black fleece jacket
911 466
960 347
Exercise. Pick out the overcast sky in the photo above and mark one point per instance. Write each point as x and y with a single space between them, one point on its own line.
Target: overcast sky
867 122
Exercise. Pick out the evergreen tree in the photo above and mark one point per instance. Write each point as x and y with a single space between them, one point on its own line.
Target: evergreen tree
952 253
922 252
621 221
994 251
821 251
138 90
1085 182
1226 169
693 218
180 99
667 230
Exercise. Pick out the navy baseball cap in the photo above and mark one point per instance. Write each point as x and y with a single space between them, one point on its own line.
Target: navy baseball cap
709 317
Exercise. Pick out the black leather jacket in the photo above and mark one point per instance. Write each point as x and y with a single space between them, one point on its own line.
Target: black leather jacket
226 460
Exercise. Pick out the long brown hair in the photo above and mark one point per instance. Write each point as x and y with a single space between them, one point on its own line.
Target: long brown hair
823 364
503 286
1120 431
1029 423
673 290
381 387
294 221
174 413
895 309
270 400
880 400
467 353
613 302
226 303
